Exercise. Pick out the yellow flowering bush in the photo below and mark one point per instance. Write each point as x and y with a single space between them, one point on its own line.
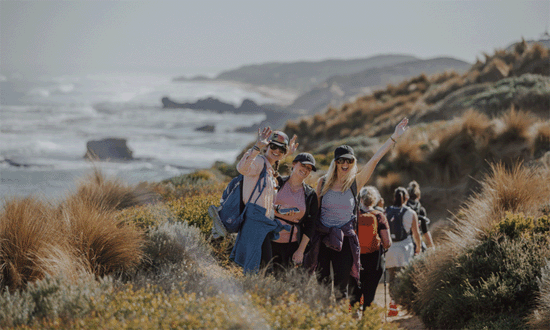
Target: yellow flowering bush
194 210
148 308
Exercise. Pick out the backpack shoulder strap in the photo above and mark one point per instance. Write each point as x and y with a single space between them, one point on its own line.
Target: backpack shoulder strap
354 192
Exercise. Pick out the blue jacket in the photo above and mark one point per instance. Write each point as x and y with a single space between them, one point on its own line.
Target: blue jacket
247 251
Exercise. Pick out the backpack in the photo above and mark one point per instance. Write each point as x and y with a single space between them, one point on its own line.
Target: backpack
367 231
230 211
395 219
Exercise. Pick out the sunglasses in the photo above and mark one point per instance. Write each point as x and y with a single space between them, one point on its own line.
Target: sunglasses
273 146
345 160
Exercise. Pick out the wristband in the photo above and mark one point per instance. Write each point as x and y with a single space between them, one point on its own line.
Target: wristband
255 147
393 139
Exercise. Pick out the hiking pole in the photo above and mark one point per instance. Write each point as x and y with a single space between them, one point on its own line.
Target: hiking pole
385 297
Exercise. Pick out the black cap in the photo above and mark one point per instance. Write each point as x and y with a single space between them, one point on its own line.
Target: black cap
343 151
306 159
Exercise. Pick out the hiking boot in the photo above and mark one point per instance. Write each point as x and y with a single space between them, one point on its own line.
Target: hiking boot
393 310
218 229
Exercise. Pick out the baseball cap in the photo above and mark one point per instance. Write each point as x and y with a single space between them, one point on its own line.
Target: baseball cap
306 159
343 151
279 138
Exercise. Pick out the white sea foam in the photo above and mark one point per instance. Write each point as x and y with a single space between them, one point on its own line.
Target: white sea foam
48 134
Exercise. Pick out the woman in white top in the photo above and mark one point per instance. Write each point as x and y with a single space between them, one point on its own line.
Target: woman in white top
403 222
253 244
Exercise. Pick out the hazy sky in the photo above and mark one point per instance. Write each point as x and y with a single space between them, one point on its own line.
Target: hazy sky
206 36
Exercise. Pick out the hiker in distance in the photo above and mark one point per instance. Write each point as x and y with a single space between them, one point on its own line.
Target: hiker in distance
252 248
335 241
403 222
374 239
294 193
423 221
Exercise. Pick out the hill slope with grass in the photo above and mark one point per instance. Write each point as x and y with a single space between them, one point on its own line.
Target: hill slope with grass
460 123
341 88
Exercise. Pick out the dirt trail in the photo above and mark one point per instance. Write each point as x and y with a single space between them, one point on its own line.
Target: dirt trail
404 320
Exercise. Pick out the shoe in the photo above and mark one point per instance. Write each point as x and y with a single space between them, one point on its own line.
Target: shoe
218 229
393 310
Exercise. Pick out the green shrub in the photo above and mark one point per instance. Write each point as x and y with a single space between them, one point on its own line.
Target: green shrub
515 225
405 289
194 210
542 225
146 216
52 298
540 318
493 280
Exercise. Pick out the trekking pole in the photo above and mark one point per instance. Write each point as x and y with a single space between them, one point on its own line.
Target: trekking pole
385 297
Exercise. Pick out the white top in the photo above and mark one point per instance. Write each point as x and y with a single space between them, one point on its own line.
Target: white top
401 253
251 166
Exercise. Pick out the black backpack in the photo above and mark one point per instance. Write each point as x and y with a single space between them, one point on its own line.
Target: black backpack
394 215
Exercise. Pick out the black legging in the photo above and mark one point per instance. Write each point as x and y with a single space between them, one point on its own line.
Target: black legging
267 255
370 276
341 264
282 255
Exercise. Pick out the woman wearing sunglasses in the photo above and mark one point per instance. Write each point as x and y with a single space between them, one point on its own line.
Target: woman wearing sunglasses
335 241
253 244
295 205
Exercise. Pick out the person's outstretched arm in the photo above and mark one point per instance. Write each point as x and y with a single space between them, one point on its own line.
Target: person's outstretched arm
366 171
250 165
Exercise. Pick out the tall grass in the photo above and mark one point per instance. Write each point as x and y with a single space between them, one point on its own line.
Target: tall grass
32 244
111 194
520 189
104 242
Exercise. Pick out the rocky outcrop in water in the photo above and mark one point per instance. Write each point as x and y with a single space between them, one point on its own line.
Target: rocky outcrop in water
213 104
110 148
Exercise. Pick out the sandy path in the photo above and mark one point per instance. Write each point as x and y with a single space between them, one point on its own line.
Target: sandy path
404 320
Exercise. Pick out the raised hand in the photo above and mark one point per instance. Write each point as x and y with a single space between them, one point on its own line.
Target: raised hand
400 128
263 137
292 145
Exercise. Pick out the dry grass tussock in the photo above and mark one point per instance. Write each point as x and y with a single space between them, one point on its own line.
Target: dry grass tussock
104 242
519 189
82 234
32 244
111 193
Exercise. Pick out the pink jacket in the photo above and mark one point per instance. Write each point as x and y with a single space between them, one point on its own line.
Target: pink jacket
250 166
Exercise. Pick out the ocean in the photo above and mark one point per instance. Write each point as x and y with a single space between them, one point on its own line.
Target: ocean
46 121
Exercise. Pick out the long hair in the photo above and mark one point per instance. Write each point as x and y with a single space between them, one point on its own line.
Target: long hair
414 190
332 175
400 196
276 169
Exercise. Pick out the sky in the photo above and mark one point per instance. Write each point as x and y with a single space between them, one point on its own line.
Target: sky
208 36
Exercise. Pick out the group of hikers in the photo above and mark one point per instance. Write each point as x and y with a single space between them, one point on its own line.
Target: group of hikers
341 225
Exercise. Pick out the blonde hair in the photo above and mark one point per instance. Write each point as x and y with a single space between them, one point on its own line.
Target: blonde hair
369 196
332 175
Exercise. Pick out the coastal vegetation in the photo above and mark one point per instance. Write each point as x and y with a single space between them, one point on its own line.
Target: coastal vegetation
112 256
